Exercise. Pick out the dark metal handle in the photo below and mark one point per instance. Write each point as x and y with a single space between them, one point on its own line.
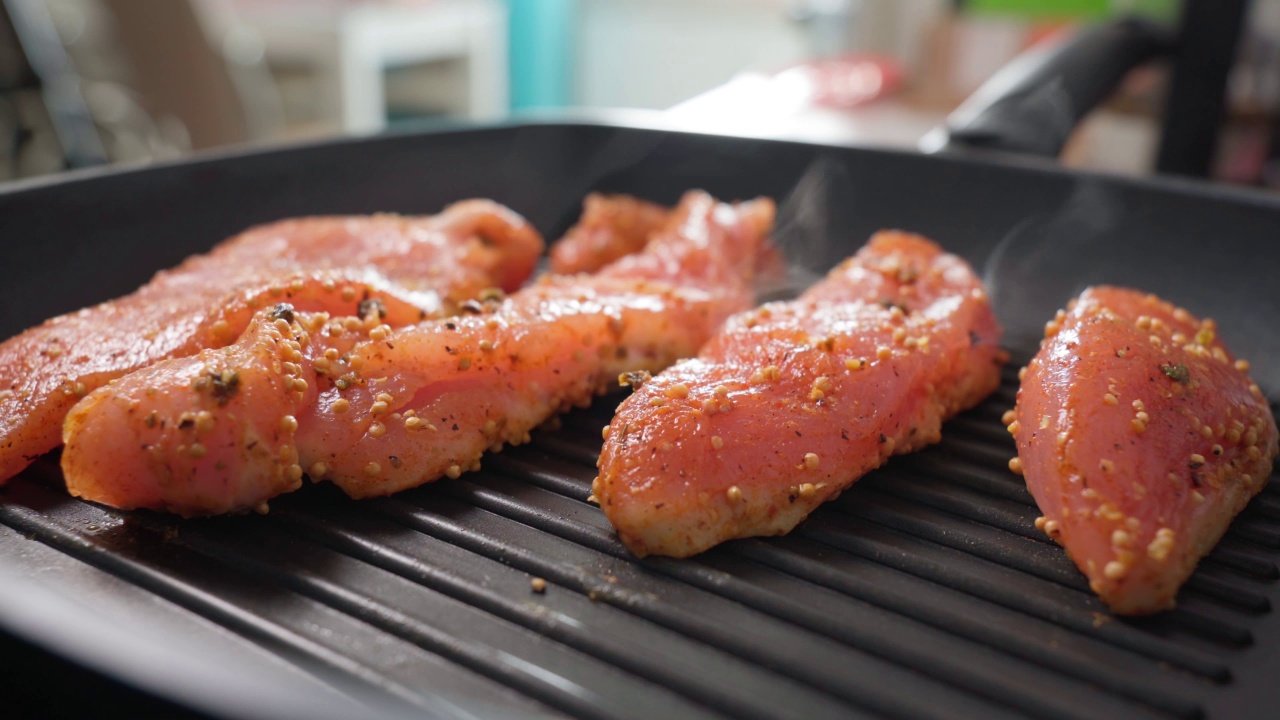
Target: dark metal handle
1033 103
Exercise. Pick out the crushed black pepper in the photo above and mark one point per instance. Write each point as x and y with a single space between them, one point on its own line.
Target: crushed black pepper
634 379
369 305
225 385
283 311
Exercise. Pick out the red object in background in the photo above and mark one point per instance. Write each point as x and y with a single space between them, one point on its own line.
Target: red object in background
845 81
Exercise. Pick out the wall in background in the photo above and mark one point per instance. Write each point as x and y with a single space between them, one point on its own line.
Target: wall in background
657 53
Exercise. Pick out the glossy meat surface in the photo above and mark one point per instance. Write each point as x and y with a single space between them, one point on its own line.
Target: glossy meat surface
394 408
415 267
1140 437
474 383
794 401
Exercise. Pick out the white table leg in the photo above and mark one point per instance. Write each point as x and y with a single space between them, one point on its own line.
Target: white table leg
361 86
487 83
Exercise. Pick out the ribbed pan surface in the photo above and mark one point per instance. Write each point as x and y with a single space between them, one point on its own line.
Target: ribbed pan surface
923 592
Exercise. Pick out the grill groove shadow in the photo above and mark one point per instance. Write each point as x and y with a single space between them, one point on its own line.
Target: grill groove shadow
636 646
292 627
774 644
550 672
490 498
923 592
933 654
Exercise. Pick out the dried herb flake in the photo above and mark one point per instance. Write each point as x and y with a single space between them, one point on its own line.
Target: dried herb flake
1177 373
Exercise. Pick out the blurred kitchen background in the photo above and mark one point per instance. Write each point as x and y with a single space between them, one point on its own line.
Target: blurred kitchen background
87 82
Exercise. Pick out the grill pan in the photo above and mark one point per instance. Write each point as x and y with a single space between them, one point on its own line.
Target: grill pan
923 592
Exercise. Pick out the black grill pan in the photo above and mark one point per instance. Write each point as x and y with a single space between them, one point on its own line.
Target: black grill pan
923 592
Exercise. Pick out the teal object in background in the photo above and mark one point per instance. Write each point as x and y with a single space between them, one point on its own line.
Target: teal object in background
542 52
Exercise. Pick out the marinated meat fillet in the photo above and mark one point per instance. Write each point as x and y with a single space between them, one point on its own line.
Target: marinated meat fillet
1140 437
410 267
794 401
199 435
611 227
379 410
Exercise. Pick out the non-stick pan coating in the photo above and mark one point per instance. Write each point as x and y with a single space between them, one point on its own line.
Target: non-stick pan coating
924 591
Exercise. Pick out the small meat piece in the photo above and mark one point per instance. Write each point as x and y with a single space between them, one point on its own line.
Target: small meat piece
1140 437
794 401
611 227
163 438
406 268
380 409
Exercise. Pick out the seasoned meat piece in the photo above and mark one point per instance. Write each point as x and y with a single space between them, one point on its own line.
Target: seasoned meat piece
794 401
1140 437
406 268
376 409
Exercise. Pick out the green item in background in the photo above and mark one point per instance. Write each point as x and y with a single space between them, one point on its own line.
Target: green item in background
1074 9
